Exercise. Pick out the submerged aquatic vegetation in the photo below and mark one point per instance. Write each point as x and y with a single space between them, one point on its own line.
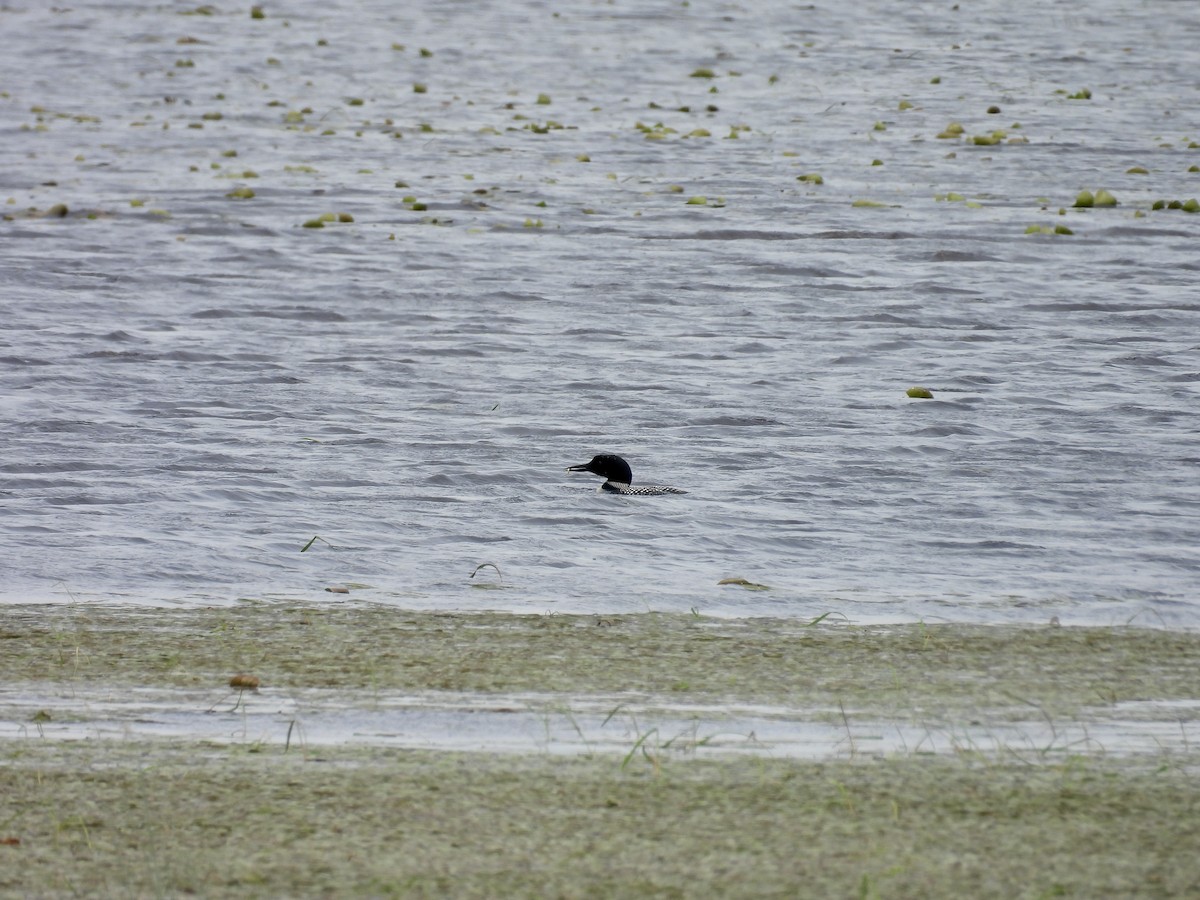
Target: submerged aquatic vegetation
742 582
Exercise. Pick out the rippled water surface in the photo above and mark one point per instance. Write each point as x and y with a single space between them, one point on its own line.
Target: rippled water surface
567 240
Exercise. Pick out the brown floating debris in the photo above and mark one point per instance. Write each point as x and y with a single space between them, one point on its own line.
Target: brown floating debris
244 682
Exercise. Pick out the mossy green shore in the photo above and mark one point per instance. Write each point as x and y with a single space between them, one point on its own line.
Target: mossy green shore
146 817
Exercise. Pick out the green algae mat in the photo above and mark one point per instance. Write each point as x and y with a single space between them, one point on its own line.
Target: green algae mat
139 816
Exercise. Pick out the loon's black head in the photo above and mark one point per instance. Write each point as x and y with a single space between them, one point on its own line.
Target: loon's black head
609 467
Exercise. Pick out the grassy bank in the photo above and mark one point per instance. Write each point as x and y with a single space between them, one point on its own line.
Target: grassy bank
131 819
141 817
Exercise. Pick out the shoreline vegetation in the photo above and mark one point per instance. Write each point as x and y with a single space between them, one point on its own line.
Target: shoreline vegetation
139 816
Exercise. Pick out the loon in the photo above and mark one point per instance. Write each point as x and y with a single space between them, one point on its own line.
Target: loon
618 478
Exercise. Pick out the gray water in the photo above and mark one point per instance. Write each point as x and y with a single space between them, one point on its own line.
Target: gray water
193 386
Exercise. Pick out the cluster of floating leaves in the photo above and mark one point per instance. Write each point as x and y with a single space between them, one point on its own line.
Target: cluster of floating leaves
1190 206
328 218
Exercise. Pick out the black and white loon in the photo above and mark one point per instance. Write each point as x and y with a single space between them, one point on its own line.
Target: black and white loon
618 478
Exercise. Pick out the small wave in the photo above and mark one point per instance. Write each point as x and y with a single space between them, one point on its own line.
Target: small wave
957 256
1139 360
947 430
737 421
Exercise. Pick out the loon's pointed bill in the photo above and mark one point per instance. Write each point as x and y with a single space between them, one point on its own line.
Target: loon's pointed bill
618 478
